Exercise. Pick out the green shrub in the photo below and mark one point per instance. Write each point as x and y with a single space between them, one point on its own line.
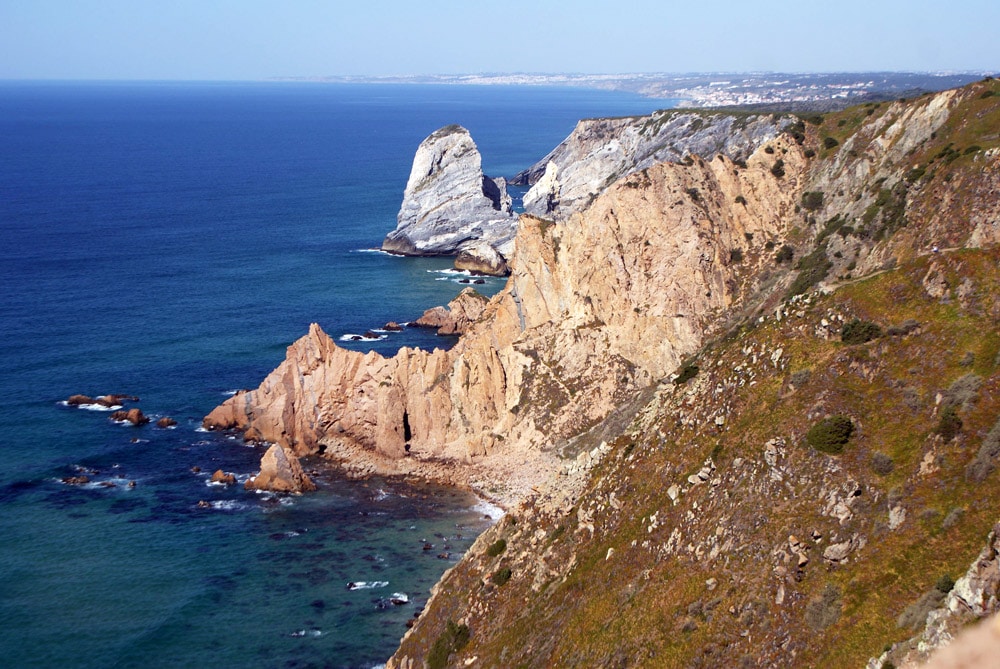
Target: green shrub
812 269
452 639
949 424
736 255
809 153
778 169
829 142
496 548
741 200
945 584
784 254
858 332
501 577
830 434
687 372
812 200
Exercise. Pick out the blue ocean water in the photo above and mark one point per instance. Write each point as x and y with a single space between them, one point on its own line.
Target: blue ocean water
170 241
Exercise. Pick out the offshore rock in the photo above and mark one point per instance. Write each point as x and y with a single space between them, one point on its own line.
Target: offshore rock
599 152
449 205
134 416
280 471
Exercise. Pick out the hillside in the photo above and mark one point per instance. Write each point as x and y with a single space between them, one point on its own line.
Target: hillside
707 531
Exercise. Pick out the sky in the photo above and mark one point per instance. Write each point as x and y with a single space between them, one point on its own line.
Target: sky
261 39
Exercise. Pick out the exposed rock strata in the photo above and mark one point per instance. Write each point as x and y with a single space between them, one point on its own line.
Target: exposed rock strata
449 205
280 471
600 151
458 317
597 307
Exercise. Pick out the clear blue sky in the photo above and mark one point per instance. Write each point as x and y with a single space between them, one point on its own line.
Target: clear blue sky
257 39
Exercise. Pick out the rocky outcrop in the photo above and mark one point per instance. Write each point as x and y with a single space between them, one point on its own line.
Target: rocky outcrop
601 151
280 471
134 416
975 595
223 477
106 401
449 205
596 308
481 259
457 317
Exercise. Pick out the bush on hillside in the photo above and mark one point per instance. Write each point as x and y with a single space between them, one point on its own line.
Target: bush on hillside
858 331
949 425
830 435
452 639
496 548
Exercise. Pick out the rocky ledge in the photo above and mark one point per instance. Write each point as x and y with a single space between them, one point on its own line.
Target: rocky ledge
599 152
450 207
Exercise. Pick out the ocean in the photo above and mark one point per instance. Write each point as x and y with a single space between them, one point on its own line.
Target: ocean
169 241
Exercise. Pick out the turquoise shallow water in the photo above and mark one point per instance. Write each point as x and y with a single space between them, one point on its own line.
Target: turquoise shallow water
169 241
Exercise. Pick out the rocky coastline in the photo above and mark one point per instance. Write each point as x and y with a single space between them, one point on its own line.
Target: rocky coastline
640 394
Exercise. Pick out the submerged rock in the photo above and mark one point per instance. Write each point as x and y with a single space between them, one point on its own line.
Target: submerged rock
449 205
280 471
166 421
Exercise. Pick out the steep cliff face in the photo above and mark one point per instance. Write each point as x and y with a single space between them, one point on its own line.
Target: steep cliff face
449 205
711 522
597 307
600 151
705 520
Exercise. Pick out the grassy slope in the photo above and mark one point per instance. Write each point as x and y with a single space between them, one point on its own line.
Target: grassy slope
635 592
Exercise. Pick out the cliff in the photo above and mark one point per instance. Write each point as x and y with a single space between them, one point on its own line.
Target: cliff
714 521
601 151
449 205
741 413
596 308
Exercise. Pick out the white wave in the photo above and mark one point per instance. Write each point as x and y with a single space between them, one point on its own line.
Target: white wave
230 393
356 337
227 505
201 429
92 407
366 585
451 272
385 253
302 633
489 509
399 598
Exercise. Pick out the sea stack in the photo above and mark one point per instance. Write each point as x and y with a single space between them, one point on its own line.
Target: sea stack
280 471
450 207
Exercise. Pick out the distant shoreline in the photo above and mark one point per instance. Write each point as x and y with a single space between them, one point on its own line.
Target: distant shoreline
714 89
